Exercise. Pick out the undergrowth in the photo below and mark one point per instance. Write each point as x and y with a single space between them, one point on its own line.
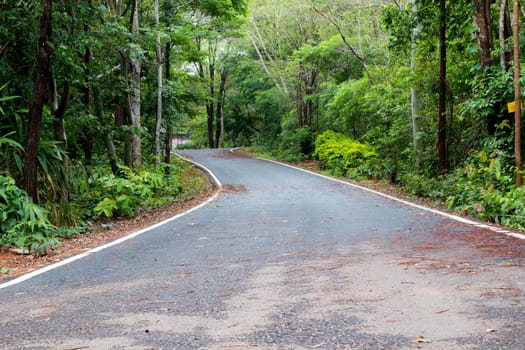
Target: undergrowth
97 194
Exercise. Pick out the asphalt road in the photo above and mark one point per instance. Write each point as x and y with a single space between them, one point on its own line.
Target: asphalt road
282 259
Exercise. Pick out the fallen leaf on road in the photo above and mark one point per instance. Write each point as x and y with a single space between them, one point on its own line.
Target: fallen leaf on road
421 339
491 330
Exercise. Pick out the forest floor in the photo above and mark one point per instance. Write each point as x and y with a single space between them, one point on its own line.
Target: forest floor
13 264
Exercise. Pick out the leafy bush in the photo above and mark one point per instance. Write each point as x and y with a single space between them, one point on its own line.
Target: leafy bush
295 145
120 196
484 187
343 155
23 223
422 186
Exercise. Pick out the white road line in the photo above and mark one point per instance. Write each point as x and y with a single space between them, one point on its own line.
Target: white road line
216 180
69 260
457 218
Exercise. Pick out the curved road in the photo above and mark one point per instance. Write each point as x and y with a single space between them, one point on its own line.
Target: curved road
282 259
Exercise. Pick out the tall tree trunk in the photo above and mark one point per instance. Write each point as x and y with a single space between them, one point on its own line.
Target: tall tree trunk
86 97
169 119
220 107
134 98
123 112
310 84
211 105
414 92
505 32
517 96
36 104
442 120
299 104
483 24
158 124
482 21
264 54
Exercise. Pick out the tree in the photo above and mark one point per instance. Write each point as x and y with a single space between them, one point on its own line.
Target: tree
134 97
36 104
415 90
505 32
442 110
517 96
158 124
483 23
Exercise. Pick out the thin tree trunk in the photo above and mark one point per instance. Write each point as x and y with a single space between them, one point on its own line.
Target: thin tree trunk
169 119
299 101
134 98
282 89
442 124
414 93
517 96
505 32
158 124
210 108
309 79
86 96
270 57
482 22
220 106
123 115
36 104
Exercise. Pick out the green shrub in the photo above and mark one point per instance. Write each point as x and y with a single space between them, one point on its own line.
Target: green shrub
23 224
422 186
121 195
342 155
294 145
485 187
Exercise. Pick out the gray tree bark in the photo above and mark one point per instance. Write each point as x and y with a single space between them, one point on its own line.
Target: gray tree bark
158 124
134 98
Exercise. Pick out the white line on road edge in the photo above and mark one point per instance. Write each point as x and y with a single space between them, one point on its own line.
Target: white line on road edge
118 241
422 207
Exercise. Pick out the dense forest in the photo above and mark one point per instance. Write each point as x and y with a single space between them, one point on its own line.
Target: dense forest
94 93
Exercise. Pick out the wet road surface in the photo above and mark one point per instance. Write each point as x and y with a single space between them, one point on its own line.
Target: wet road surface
282 259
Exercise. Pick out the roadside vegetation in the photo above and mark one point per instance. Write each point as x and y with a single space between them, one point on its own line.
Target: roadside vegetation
97 197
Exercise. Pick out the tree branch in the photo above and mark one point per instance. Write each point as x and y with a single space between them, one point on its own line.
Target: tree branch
345 41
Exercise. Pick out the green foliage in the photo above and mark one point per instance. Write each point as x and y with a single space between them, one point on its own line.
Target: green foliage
422 186
121 195
484 187
492 90
23 223
343 155
294 145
